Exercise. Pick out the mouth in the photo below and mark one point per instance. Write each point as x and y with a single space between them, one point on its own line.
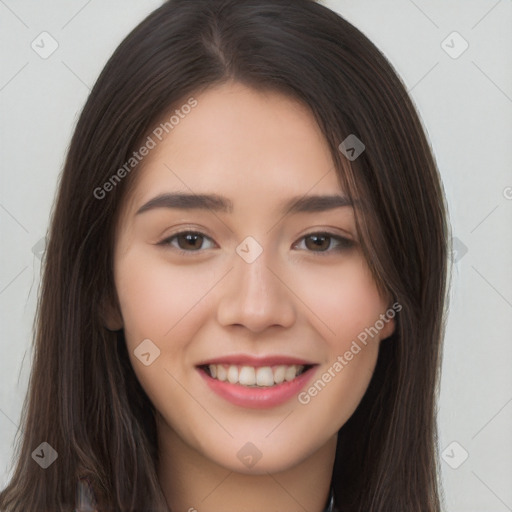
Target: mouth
256 383
254 377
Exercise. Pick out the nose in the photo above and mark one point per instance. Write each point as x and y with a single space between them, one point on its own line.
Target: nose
256 296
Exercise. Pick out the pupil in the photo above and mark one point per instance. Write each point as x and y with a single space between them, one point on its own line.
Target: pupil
192 239
318 241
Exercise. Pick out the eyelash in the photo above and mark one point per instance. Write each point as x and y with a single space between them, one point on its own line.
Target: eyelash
344 243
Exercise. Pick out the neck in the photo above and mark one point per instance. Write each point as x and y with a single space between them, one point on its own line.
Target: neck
191 482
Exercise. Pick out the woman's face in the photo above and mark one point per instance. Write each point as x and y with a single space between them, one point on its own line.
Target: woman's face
226 299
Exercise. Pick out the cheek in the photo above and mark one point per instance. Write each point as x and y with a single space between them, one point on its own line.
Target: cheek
346 305
343 300
160 302
157 298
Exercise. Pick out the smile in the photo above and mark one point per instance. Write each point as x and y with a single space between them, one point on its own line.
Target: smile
256 383
263 376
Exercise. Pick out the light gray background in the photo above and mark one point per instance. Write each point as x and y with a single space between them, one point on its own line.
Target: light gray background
466 106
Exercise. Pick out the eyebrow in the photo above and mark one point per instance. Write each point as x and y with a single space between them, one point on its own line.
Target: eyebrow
216 203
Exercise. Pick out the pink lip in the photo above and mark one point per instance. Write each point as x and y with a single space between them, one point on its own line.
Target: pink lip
257 398
247 360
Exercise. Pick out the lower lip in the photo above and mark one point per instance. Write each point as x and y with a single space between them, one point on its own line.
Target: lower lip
258 398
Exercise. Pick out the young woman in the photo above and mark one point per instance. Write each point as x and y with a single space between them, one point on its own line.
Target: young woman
244 286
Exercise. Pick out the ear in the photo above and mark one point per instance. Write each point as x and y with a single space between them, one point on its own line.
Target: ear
388 329
390 320
110 314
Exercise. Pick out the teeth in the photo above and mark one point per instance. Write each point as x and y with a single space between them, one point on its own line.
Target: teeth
290 373
264 376
279 374
247 376
221 372
233 374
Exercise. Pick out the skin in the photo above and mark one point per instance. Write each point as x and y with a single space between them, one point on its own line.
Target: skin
258 150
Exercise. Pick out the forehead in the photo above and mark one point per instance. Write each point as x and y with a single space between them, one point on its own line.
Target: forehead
245 144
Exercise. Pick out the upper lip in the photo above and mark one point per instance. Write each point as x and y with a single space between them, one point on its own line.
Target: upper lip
256 361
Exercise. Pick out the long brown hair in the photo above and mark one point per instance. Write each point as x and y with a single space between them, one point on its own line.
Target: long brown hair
84 398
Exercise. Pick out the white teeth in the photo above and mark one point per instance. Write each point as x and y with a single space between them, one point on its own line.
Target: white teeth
233 374
279 374
290 373
264 376
222 374
247 376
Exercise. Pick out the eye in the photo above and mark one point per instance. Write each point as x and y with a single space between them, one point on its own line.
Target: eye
323 242
187 241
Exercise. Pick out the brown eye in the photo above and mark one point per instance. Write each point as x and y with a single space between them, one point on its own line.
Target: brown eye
326 243
187 241
320 242
190 241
